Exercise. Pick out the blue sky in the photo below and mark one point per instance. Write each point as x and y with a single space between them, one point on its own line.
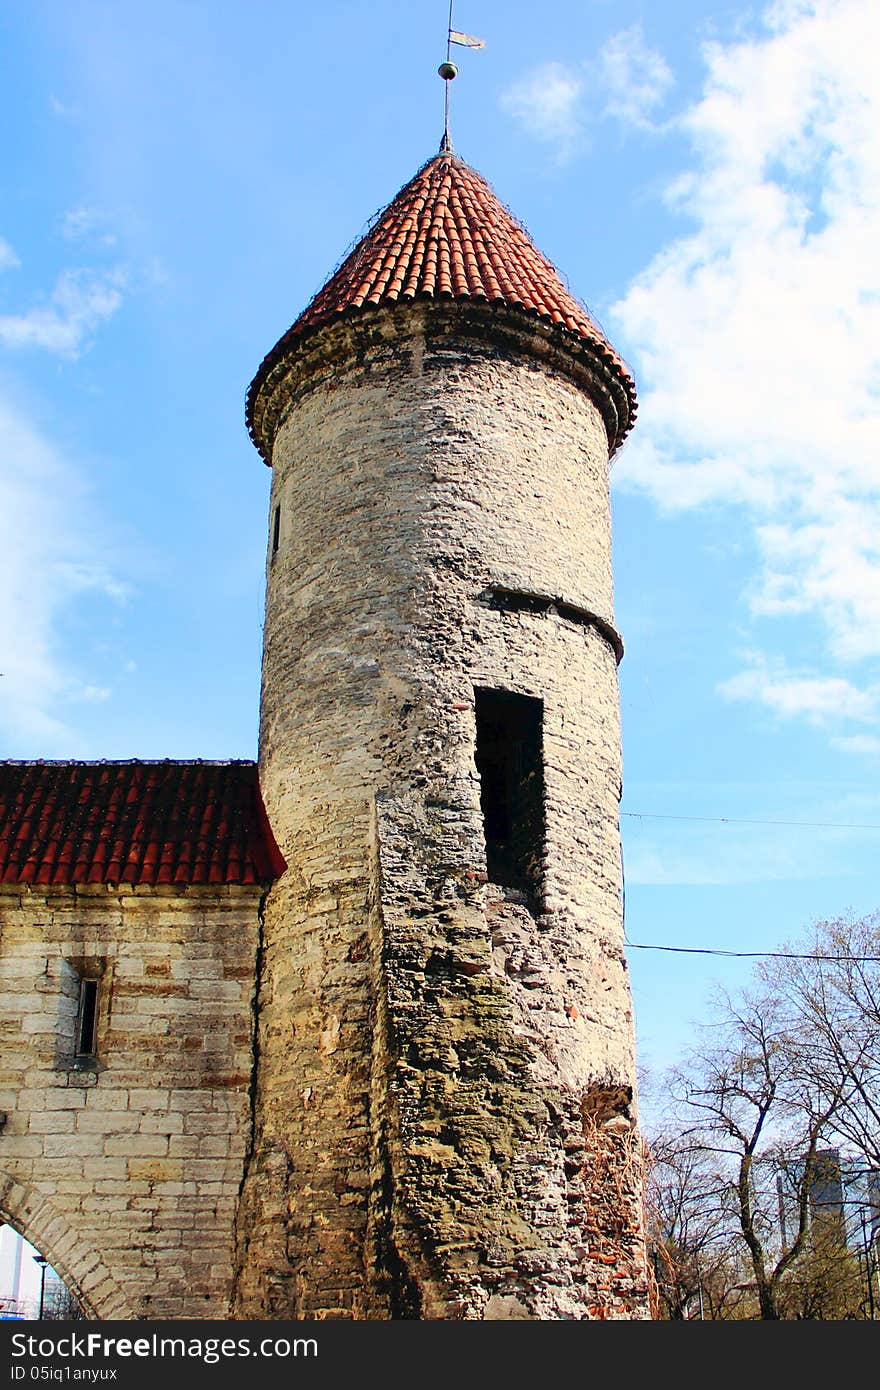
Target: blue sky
179 178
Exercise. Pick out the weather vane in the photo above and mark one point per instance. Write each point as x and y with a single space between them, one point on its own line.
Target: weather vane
448 70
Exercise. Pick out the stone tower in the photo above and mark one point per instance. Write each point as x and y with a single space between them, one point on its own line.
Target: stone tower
443 1085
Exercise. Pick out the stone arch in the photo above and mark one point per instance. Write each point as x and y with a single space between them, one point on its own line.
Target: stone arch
35 1217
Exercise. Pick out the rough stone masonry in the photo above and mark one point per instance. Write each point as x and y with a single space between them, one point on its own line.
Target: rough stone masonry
424 1105
446 1072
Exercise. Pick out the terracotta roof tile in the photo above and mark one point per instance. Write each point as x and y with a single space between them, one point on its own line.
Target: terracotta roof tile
135 823
447 235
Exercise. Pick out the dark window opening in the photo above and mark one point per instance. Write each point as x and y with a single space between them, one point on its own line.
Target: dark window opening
276 530
87 1018
510 763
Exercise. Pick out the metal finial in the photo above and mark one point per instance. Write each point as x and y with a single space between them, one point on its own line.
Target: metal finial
448 71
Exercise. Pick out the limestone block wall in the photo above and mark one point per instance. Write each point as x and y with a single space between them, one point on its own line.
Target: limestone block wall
444 1123
125 1173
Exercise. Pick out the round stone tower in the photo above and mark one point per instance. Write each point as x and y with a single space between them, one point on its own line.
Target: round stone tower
443 1088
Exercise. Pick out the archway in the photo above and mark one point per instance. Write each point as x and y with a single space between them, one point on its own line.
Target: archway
34 1216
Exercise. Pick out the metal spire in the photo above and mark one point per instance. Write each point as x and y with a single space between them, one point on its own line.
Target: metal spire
448 71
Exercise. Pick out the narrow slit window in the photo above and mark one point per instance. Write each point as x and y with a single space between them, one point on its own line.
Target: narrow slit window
276 530
509 759
87 1018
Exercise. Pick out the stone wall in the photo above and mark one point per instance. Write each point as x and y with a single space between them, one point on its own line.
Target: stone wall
125 1172
428 1140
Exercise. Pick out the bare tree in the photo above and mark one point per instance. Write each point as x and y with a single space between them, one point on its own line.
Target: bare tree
690 1241
791 1069
749 1104
831 985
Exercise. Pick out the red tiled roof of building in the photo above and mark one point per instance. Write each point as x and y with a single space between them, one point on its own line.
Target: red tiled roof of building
147 823
447 236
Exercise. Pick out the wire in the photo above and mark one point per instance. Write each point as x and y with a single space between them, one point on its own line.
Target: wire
740 955
754 955
711 951
733 820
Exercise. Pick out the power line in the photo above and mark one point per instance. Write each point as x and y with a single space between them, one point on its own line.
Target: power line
737 955
734 820
754 955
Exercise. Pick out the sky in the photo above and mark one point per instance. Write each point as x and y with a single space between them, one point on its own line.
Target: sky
179 178
23 1297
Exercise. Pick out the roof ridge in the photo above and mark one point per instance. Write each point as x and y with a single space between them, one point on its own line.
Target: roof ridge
128 762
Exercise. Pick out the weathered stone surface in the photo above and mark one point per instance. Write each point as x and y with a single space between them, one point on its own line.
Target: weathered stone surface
443 1109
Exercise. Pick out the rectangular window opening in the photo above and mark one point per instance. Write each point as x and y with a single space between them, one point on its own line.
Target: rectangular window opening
87 1018
276 530
509 757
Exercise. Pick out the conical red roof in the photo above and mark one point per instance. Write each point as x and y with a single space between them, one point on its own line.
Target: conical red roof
447 236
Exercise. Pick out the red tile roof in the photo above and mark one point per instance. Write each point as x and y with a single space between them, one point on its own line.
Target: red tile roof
134 823
446 236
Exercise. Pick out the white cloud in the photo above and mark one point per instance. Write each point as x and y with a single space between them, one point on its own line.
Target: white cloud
8 258
80 302
863 745
87 222
757 334
693 854
61 108
545 103
806 830
555 102
93 693
700 859
53 552
50 547
790 695
635 77
790 830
